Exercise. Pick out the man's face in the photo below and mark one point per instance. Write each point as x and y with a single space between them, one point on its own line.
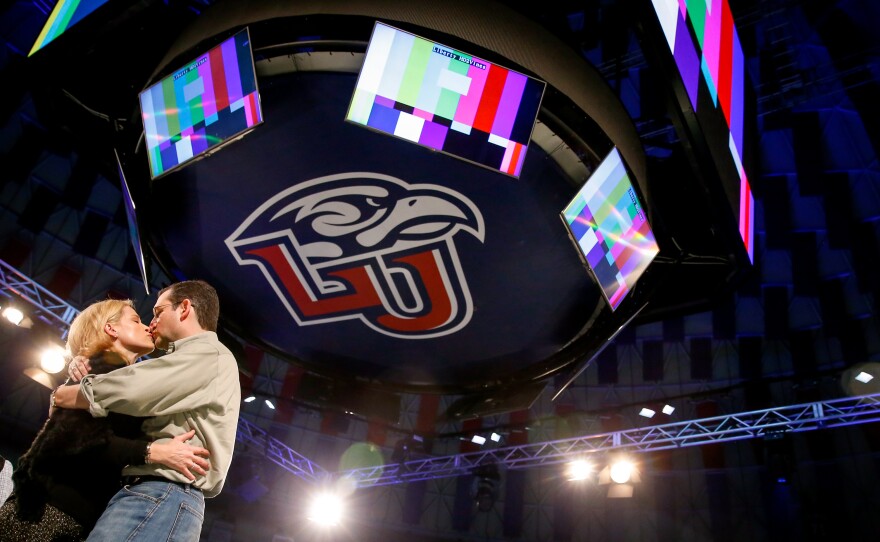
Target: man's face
164 325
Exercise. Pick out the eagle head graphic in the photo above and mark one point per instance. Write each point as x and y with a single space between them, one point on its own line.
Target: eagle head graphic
364 245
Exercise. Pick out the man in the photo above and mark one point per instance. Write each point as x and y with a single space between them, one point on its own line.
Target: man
193 386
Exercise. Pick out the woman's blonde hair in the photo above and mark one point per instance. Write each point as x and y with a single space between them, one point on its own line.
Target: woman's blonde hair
86 336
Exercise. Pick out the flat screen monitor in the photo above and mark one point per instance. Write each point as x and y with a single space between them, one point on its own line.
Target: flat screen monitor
65 14
133 231
705 47
608 225
201 106
446 100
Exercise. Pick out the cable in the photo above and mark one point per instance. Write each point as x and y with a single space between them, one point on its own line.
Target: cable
102 116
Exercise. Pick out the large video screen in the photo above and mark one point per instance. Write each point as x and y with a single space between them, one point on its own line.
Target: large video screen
609 227
445 99
203 105
66 14
705 46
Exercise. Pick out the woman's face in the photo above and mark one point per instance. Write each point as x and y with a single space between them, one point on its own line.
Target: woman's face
132 334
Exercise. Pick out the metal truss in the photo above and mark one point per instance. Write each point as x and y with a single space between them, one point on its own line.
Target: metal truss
741 426
47 306
279 453
745 425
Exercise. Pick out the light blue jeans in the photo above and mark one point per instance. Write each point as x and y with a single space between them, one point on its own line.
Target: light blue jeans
152 511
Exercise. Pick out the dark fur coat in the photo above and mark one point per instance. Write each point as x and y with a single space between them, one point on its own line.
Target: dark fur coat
70 451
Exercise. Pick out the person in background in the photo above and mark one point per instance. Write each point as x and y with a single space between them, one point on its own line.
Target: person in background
194 385
73 467
5 479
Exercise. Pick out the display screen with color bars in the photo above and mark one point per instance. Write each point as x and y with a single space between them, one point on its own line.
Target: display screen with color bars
606 222
66 14
704 41
446 100
201 106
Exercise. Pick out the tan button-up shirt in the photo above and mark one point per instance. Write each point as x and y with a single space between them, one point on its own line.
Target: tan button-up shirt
194 386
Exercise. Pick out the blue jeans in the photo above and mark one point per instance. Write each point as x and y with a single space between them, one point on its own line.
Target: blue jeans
152 511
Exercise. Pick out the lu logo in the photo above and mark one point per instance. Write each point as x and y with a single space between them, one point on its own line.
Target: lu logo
364 246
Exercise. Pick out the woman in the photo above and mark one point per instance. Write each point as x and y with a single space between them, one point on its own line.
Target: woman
72 469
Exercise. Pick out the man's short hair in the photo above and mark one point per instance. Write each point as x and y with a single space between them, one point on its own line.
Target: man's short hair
202 295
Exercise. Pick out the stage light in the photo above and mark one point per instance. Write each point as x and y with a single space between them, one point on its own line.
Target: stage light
52 359
250 399
485 496
326 509
647 413
487 486
495 437
859 379
779 456
668 410
620 491
405 447
13 315
624 474
864 377
621 472
477 439
40 376
580 469
269 404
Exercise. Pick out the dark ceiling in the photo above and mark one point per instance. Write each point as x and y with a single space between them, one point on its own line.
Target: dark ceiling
469 301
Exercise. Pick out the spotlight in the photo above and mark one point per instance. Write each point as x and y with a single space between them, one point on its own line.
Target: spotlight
13 315
621 472
326 509
864 377
579 470
620 491
485 497
647 413
487 483
250 399
403 450
860 379
269 404
477 439
495 437
405 447
41 377
668 410
779 456
52 359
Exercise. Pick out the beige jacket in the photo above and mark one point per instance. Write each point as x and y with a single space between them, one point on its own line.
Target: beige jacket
193 386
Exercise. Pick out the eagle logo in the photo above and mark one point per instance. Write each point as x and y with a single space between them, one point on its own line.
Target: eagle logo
365 246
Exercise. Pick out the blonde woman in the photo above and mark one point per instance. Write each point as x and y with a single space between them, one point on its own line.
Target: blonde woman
72 469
